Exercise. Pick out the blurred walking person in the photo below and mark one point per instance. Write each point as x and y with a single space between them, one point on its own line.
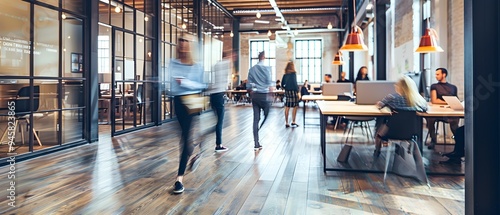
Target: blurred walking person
260 84
186 84
221 74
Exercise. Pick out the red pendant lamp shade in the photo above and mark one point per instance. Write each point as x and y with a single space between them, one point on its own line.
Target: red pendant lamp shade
354 41
338 60
428 42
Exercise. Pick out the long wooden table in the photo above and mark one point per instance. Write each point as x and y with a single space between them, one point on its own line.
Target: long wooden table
335 108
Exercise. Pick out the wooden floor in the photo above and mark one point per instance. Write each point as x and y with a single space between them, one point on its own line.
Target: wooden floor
134 174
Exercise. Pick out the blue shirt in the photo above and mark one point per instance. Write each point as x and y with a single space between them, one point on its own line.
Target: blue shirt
259 78
191 78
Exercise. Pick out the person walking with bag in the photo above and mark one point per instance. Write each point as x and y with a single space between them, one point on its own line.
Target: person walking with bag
186 86
289 81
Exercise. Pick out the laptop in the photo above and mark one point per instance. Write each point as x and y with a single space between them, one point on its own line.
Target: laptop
335 89
370 92
453 102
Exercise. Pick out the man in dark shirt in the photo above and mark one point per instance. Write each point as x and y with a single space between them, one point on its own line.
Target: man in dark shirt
342 78
438 90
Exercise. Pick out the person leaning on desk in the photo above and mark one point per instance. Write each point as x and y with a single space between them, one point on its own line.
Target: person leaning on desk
406 98
438 90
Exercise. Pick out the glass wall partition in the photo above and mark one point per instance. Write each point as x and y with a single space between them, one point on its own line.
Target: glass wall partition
126 77
41 54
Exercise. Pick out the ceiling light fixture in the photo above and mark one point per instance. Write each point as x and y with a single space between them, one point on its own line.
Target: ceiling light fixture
258 15
338 60
354 41
63 16
269 33
118 9
231 34
329 25
428 41
184 26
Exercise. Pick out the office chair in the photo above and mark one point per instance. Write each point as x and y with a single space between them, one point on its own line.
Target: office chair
402 139
22 111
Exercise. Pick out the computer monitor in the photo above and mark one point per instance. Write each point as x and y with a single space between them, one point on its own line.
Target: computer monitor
370 92
335 89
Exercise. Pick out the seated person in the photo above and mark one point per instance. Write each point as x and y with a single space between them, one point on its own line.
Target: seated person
278 85
406 97
438 90
455 157
342 78
304 90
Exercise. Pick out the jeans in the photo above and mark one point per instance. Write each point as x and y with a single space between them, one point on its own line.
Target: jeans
259 101
185 120
217 103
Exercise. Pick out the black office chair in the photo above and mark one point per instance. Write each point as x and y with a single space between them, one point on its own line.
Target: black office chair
23 111
403 130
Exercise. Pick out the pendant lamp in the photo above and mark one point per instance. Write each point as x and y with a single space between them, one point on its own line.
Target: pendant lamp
354 40
338 59
428 41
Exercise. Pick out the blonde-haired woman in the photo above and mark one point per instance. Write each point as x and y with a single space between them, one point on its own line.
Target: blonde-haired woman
407 98
186 80
289 83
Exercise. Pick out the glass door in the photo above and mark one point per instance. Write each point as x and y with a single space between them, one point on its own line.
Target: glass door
131 91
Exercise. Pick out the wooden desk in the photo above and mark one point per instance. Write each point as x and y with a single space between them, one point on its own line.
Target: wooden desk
334 108
314 98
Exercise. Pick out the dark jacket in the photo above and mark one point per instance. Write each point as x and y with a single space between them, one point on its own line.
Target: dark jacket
289 82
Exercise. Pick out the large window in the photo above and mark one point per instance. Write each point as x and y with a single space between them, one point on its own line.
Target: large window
256 46
308 60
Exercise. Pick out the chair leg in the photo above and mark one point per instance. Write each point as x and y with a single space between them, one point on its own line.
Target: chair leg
34 133
388 158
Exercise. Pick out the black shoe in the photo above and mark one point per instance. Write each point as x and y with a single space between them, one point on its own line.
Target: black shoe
178 187
376 153
220 148
295 124
194 163
257 147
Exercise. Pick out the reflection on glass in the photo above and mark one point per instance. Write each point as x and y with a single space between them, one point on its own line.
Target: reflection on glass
14 38
73 96
118 44
51 2
129 18
116 14
140 47
72 42
129 45
46 44
74 5
104 14
72 125
140 22
45 129
48 94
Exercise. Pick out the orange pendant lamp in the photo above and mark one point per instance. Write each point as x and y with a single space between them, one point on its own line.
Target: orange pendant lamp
428 42
354 40
338 60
